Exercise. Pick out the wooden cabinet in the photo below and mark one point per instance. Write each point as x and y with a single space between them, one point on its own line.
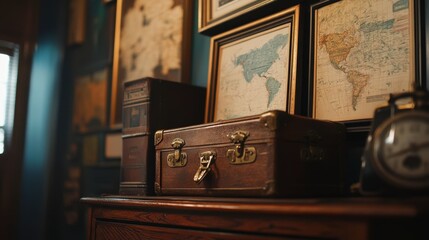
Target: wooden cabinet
230 218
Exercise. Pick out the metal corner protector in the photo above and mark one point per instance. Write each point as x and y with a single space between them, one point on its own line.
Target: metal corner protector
158 137
269 119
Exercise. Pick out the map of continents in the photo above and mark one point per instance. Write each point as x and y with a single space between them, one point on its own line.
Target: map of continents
253 75
151 37
363 54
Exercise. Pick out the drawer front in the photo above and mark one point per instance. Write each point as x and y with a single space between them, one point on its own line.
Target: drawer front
122 231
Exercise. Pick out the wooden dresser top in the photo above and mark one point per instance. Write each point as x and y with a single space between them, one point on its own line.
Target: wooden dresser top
352 207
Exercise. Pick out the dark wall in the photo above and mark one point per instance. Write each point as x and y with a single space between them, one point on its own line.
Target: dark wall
426 44
200 53
18 21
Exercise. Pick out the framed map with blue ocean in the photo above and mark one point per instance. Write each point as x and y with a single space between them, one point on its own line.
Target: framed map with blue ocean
253 68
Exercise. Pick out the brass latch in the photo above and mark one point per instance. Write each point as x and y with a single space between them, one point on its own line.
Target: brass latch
206 160
178 158
240 154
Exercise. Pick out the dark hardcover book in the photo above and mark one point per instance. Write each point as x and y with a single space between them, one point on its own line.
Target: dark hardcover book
151 104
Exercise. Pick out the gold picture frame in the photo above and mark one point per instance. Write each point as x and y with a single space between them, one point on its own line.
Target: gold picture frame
152 39
77 22
261 54
212 13
90 101
360 53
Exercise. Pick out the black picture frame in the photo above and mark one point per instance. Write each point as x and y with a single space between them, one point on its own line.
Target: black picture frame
211 20
416 68
97 49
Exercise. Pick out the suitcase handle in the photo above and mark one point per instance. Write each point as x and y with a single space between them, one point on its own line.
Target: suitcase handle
206 160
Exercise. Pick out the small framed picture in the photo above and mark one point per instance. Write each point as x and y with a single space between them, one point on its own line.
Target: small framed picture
91 149
152 39
215 12
97 49
253 68
361 51
76 22
90 101
113 145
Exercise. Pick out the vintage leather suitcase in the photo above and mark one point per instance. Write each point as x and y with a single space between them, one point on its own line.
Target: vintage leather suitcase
273 154
150 104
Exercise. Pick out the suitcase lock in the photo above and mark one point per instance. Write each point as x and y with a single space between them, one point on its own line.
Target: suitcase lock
206 159
241 154
178 158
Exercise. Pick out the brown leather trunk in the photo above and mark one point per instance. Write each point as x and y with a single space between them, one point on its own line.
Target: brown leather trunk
150 104
273 154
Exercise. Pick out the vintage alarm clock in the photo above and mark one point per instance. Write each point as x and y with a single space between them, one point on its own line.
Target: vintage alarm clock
396 156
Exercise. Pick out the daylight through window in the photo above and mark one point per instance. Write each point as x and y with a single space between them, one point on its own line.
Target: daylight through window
4 75
8 75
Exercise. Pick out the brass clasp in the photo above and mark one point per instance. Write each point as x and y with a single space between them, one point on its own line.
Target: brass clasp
178 158
238 138
206 160
240 154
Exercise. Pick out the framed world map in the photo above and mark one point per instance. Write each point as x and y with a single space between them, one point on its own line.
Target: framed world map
152 39
362 52
253 68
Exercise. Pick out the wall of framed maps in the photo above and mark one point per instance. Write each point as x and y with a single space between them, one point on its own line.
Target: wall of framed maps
355 53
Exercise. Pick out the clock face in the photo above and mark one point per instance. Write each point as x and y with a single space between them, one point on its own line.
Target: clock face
401 150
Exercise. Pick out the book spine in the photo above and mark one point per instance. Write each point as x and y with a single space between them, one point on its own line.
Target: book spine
135 139
135 166
136 108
